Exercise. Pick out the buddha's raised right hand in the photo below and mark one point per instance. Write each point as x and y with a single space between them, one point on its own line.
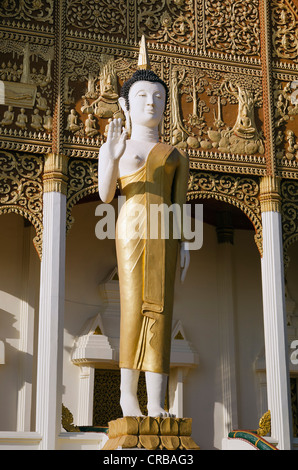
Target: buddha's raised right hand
116 140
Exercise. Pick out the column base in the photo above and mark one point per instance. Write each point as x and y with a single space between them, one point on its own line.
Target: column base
150 434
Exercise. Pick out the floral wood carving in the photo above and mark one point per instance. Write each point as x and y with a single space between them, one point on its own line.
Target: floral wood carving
289 211
167 21
233 26
105 17
239 191
82 181
21 189
37 10
284 23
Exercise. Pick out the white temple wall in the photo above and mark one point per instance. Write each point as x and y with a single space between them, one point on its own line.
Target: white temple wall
19 287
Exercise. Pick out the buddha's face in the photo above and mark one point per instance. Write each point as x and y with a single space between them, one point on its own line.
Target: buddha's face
146 103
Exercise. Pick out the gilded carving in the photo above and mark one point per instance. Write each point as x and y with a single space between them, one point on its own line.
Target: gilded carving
82 181
26 74
264 424
285 112
21 189
67 420
167 21
233 27
289 211
235 131
284 15
107 17
36 10
150 433
270 199
98 98
220 123
55 173
240 191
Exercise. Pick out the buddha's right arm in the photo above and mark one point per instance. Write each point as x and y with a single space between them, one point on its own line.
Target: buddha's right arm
108 160
107 177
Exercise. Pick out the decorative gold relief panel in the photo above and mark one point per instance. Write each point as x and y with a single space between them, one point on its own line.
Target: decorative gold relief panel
37 15
26 107
216 110
285 121
105 19
284 16
168 22
232 27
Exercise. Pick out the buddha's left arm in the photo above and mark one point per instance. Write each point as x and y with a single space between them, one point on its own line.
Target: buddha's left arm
179 197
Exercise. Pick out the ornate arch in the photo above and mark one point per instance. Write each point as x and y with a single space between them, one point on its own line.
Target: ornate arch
289 212
21 189
82 182
240 191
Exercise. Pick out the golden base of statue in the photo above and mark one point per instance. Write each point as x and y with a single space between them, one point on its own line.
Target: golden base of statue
151 434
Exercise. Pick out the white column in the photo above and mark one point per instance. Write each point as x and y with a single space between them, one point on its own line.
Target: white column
176 379
86 393
226 312
51 307
274 311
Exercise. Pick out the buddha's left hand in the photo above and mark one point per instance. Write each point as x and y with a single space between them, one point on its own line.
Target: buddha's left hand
184 260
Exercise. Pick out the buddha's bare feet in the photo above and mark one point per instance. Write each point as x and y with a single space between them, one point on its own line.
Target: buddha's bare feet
157 412
156 388
130 405
129 387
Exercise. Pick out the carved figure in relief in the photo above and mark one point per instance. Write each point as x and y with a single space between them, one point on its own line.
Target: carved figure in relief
25 78
243 137
245 123
91 93
177 139
106 106
292 149
48 121
218 122
176 121
22 119
105 96
148 172
41 102
72 121
36 122
281 106
90 128
68 92
8 117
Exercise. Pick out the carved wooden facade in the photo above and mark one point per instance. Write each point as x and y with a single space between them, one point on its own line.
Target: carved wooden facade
232 72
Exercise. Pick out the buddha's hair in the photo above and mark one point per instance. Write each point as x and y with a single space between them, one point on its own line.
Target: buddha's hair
141 75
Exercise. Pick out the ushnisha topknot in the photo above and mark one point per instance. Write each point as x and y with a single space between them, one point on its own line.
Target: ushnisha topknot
141 75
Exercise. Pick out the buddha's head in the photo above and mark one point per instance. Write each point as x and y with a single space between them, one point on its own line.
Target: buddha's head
143 98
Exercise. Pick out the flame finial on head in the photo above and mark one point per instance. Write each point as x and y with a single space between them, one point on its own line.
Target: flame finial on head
143 62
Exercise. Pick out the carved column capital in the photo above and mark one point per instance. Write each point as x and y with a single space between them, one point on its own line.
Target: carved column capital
55 173
270 198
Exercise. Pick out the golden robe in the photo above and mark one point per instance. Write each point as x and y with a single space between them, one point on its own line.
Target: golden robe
146 265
